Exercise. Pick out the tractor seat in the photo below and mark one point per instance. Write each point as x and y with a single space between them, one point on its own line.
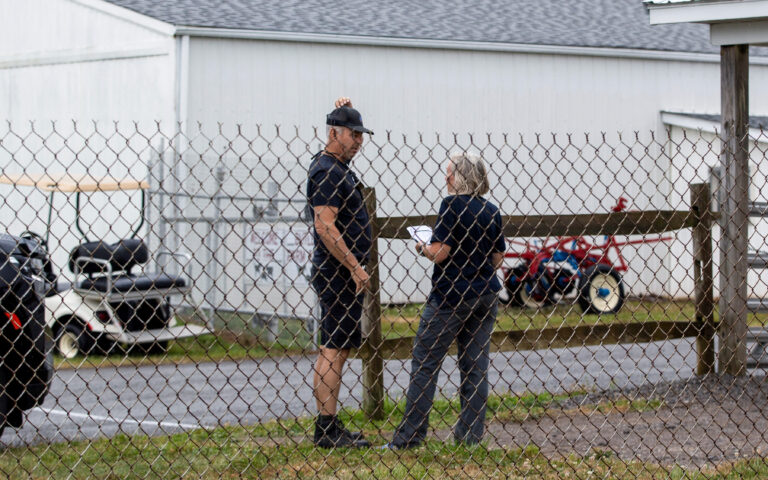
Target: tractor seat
128 283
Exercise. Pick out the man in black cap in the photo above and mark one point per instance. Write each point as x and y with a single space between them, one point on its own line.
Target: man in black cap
342 232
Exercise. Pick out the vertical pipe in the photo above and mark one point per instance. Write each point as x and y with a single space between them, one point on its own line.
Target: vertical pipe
160 189
178 169
213 247
146 209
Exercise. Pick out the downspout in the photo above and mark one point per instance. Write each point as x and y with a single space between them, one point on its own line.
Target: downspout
179 170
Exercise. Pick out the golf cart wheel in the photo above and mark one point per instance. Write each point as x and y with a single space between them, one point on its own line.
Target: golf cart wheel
601 290
72 340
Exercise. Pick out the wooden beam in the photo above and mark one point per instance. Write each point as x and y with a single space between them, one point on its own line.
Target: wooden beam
734 207
618 223
395 227
563 337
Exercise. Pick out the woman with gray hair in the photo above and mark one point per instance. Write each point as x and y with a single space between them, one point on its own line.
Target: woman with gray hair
467 247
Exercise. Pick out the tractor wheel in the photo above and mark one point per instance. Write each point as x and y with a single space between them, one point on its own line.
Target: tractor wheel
512 285
601 290
528 298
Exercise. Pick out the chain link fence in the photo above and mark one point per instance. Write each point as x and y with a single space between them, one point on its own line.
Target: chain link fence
160 318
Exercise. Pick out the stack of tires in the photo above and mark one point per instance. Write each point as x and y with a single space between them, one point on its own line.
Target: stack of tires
25 360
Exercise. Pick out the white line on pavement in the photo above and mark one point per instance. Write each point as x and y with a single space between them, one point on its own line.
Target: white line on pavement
97 418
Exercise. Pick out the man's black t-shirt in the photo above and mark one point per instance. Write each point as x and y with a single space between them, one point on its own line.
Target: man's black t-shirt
471 226
332 183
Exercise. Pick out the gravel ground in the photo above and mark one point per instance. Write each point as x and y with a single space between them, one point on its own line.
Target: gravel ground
701 422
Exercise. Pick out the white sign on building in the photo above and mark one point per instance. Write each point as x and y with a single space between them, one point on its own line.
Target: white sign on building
279 255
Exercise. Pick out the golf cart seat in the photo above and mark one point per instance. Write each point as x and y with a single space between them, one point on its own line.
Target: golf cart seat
127 283
104 270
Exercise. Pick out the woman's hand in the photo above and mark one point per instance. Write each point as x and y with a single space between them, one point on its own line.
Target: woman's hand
436 251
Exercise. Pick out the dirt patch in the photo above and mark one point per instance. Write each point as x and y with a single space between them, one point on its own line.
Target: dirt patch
702 422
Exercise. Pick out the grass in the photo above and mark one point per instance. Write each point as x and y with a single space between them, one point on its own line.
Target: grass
282 449
399 321
235 338
233 453
444 414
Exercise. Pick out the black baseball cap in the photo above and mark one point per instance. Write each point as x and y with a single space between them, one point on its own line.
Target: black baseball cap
347 117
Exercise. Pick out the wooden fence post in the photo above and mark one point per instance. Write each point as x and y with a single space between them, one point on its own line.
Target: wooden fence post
373 362
702 278
734 197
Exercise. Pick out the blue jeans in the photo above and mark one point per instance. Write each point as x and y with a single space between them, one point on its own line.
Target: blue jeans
470 323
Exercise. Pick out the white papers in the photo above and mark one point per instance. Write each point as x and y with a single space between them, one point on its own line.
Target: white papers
421 233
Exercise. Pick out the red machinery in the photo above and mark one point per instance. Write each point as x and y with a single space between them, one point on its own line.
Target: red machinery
555 268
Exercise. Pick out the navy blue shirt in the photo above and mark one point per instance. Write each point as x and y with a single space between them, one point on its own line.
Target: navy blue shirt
471 226
331 183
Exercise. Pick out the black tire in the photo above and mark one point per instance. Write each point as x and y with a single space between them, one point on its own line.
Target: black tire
72 339
513 287
524 298
4 407
601 290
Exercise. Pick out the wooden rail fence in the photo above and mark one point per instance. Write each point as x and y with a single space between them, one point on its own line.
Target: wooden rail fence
699 218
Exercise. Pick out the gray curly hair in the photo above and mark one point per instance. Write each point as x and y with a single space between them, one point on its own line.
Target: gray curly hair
469 174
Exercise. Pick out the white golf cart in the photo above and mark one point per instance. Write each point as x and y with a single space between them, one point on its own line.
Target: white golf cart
108 303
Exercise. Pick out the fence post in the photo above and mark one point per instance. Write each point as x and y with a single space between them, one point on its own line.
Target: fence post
373 363
702 278
734 195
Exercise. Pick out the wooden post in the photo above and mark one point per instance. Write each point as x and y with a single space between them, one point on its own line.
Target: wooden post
734 194
702 277
373 361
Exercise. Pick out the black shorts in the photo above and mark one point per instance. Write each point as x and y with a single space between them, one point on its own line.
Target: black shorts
340 308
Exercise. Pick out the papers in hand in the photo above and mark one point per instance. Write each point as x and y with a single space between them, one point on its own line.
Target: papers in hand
421 233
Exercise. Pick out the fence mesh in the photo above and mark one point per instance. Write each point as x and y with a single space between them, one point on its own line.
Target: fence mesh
162 317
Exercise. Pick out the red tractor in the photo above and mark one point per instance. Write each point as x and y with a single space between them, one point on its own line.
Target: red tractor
555 268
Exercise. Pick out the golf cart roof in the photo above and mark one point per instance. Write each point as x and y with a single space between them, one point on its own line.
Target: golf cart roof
64 182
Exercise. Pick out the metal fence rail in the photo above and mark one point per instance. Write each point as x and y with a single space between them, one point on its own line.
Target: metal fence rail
159 316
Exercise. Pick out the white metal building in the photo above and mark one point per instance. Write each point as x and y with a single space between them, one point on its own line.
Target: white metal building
431 66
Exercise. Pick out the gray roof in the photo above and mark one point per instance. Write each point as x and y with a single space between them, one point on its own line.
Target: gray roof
662 2
755 121
582 23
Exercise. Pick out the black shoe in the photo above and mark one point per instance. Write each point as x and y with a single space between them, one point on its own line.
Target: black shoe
329 435
357 436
